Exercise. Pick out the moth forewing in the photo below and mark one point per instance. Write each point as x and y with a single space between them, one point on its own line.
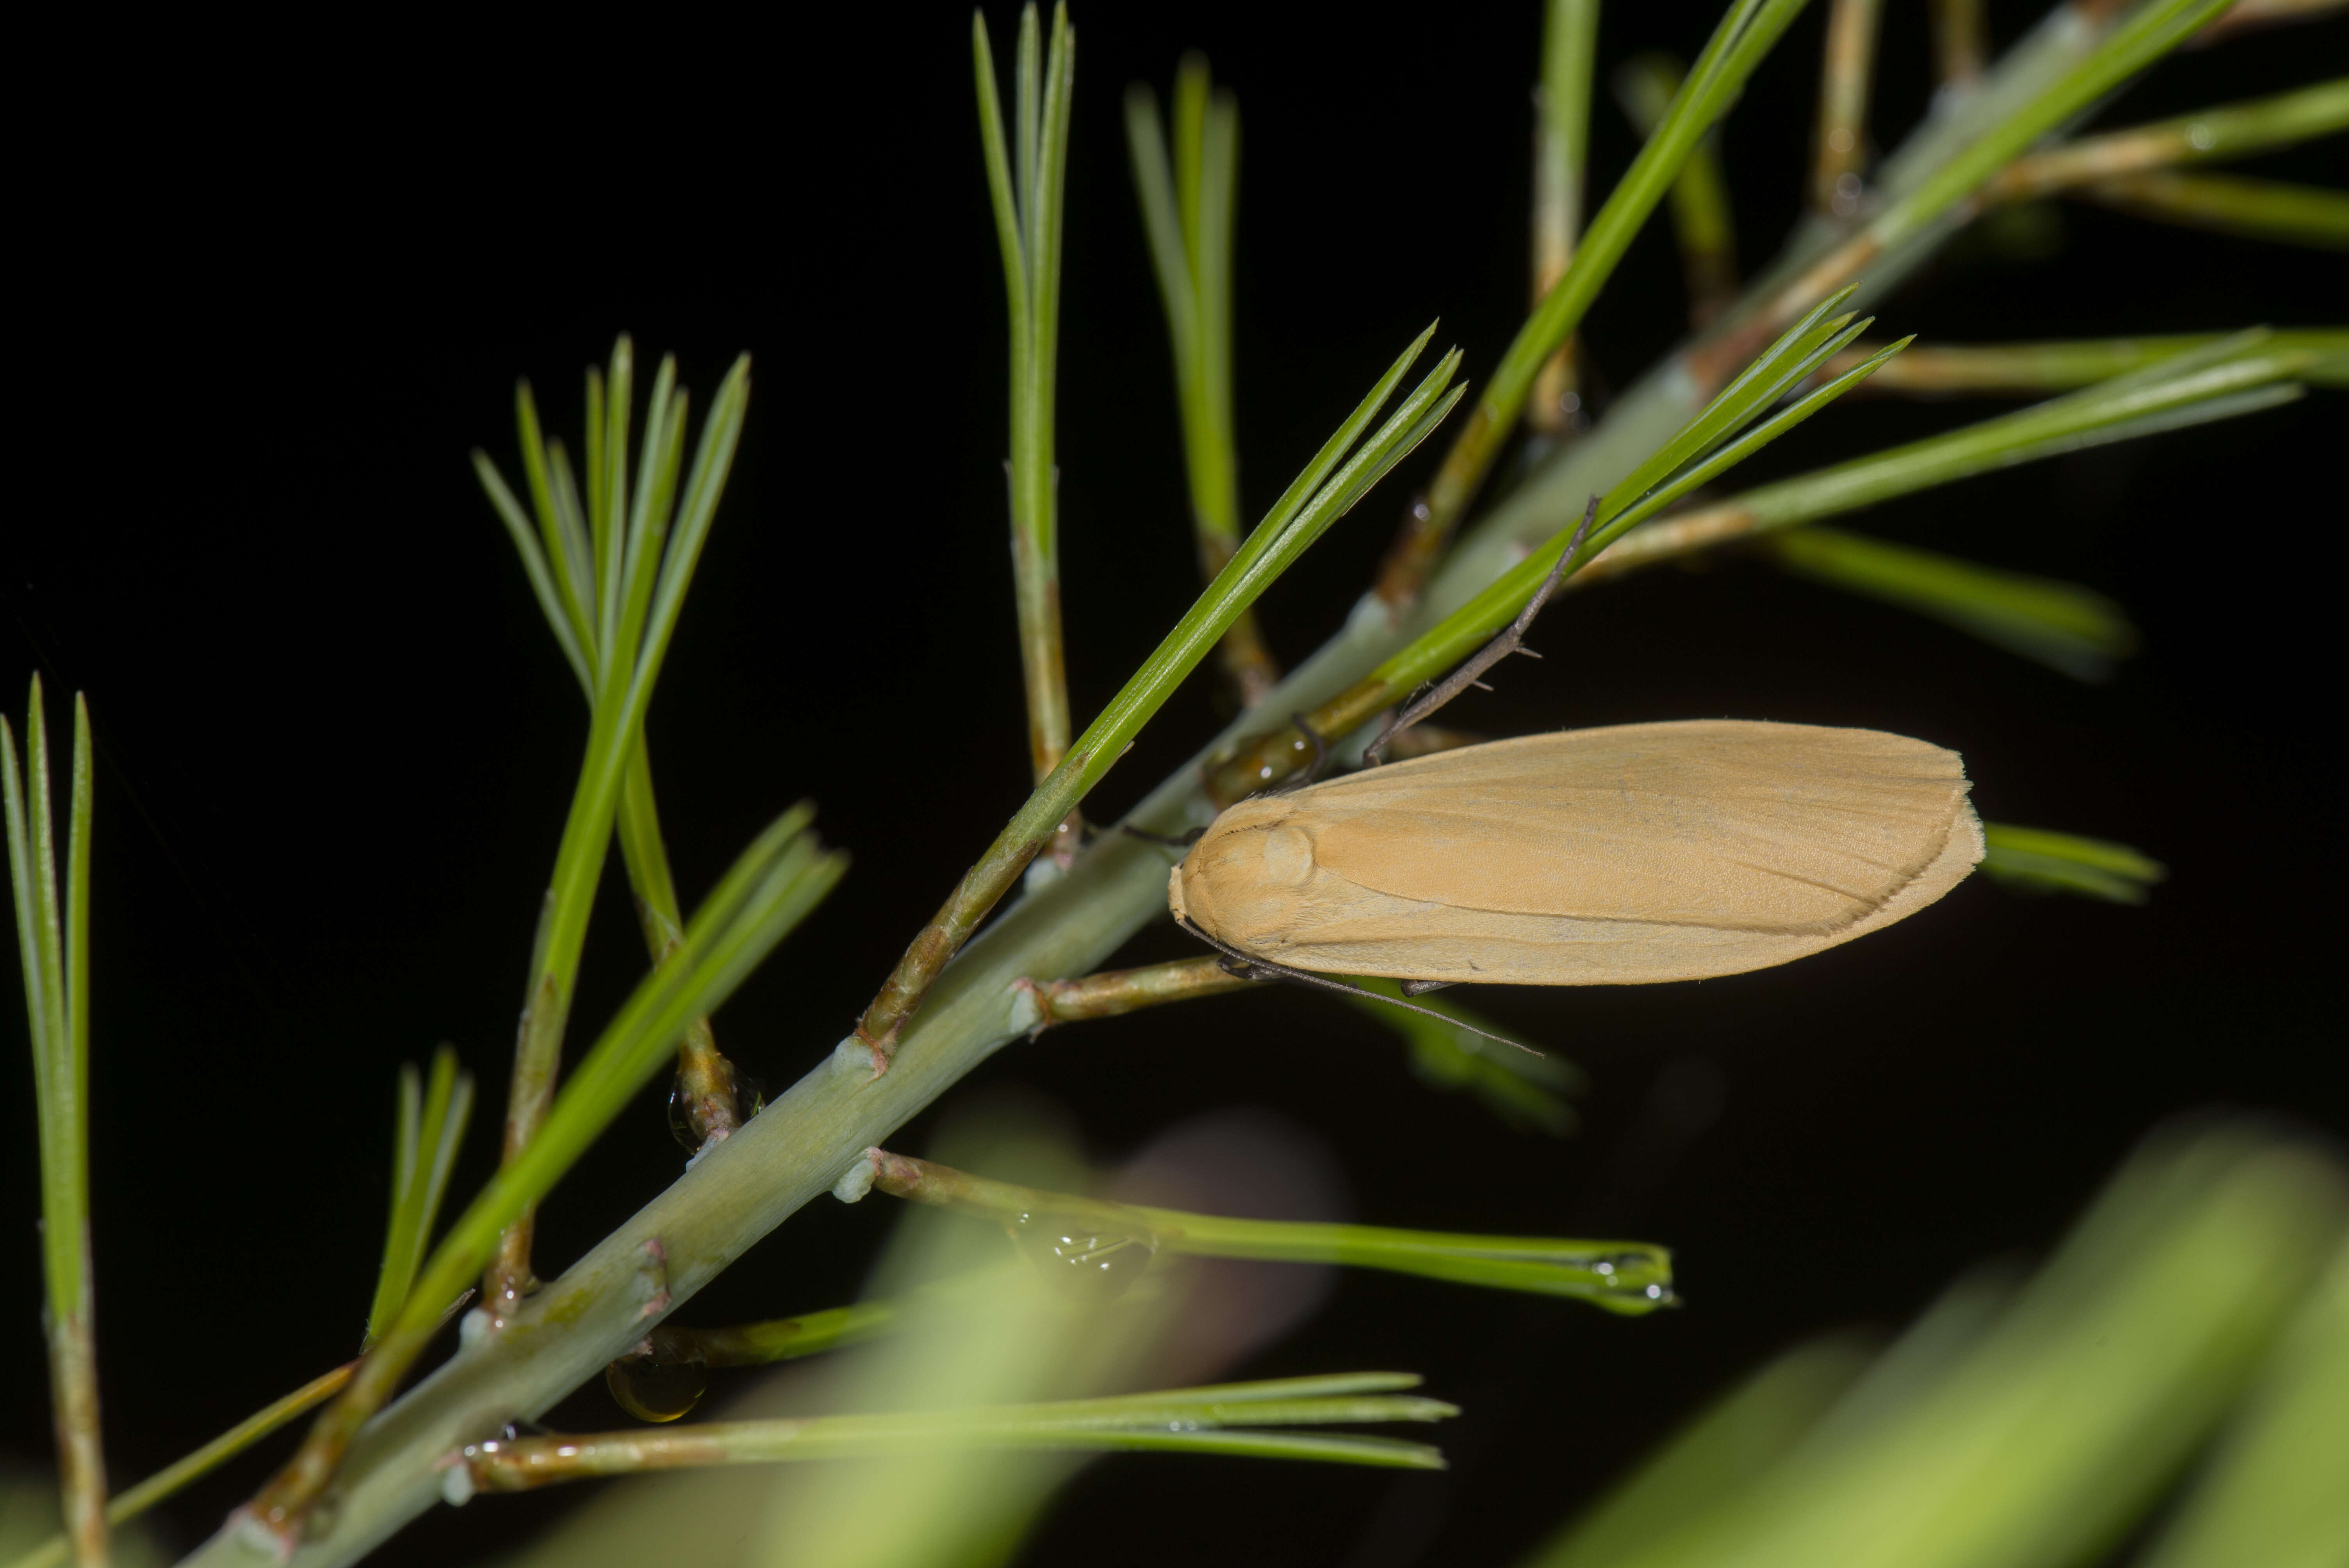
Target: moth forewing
1624 855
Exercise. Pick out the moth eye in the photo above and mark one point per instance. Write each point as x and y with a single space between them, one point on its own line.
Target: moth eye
1288 856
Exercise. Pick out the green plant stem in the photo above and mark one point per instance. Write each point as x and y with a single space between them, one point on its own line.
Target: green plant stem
52 939
1994 369
2237 375
1325 491
1561 144
1715 439
2060 625
1703 222
1028 190
432 1124
1992 131
1839 146
1738 45
779 1339
1188 205
2235 130
816 1131
705 1077
132 1501
1191 1420
771 887
642 566
1632 1277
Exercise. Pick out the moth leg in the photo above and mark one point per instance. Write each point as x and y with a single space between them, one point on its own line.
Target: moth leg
1510 640
1183 840
1422 987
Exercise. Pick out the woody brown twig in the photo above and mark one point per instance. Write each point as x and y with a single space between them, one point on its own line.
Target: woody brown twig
1116 991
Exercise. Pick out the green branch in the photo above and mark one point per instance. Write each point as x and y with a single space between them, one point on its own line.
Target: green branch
1217 1420
1738 45
53 940
1187 213
794 1151
1325 491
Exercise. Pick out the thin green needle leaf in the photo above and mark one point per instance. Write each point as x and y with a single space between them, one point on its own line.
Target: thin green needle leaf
775 883
572 512
1227 1420
1187 203
2230 130
2233 204
2241 373
1045 219
1627 1277
131 1501
1703 222
1738 45
565 544
648 517
1161 224
1467 628
400 1231
1294 523
1028 103
721 433
1275 546
2036 860
2062 624
1992 369
53 941
1754 439
999 178
534 565
1737 404
429 1126
1359 478
607 502
1309 478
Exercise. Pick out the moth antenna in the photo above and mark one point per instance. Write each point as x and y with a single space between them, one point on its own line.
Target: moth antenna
1254 968
1511 641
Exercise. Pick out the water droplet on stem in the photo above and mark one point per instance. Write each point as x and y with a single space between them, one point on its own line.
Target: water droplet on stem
1081 1258
655 1391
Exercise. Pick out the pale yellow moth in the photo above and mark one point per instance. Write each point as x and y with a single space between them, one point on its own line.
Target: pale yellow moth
1620 856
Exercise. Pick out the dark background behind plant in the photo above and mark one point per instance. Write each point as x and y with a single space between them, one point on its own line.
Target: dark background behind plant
274 312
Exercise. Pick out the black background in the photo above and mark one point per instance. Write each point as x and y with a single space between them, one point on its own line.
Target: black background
276 306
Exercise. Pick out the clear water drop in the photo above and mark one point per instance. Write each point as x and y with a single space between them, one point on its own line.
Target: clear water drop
1081 1258
655 1391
